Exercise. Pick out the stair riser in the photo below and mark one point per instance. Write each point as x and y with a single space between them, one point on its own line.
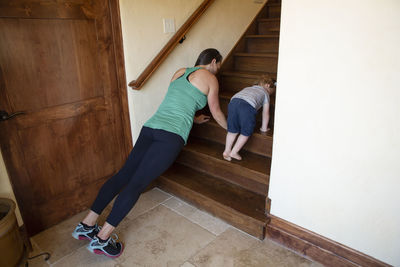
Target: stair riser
266 27
236 83
274 12
256 144
225 170
262 45
234 218
267 64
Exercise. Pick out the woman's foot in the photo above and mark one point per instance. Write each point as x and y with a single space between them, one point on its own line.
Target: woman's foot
235 156
226 156
85 232
110 247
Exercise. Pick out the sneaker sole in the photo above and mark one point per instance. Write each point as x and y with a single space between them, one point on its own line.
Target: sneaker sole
100 252
80 237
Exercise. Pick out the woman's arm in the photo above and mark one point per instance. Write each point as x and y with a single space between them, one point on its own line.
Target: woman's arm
213 103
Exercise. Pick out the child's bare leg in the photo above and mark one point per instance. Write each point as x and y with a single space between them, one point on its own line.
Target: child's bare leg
106 231
230 138
91 218
238 146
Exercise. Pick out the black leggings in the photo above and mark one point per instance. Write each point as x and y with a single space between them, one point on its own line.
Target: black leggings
154 151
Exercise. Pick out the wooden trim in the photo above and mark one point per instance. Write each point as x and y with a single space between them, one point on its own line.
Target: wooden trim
25 238
315 246
167 49
121 78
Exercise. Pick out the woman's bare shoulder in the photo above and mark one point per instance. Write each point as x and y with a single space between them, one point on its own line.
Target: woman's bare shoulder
178 74
205 74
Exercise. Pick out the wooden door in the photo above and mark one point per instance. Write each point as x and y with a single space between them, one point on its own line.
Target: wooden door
58 65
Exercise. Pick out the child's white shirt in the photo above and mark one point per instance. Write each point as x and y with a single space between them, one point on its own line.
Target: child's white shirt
254 95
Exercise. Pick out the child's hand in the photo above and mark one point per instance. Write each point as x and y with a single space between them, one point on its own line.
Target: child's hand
264 130
201 119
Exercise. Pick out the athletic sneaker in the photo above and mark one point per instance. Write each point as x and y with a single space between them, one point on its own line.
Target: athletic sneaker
83 232
110 247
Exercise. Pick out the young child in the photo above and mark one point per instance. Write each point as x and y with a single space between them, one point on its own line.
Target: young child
242 111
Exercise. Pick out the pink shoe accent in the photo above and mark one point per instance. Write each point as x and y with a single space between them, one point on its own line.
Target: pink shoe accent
100 252
84 238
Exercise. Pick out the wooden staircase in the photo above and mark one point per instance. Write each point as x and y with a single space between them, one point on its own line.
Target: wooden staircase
236 191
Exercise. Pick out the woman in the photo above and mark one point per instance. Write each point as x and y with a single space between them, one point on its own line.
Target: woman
160 141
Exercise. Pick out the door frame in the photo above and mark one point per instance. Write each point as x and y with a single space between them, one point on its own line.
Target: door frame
121 74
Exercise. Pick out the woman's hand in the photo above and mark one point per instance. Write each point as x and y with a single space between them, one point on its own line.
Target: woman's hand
201 119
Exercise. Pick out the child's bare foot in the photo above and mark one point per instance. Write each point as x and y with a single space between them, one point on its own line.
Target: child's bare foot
226 156
235 156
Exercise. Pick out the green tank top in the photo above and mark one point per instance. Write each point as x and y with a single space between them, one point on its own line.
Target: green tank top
176 112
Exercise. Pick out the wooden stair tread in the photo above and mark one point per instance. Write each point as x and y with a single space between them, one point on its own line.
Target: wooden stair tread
259 143
268 19
250 161
260 36
227 94
245 74
217 190
266 136
273 4
269 54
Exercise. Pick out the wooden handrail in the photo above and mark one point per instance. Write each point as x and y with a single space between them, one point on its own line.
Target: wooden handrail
167 49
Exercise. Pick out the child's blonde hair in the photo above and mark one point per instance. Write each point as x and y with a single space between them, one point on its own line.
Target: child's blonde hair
266 79
263 80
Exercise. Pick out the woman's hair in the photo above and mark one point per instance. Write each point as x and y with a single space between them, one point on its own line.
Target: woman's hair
265 79
207 56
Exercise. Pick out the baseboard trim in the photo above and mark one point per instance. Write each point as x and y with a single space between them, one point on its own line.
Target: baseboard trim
317 247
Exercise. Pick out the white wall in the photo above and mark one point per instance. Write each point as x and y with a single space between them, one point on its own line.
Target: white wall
219 27
336 157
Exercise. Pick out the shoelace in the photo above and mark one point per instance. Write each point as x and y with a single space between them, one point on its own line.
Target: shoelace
113 240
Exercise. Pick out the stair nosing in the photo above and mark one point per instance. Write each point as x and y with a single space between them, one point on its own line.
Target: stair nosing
221 205
268 19
255 133
271 55
247 74
274 4
222 161
215 200
265 174
260 36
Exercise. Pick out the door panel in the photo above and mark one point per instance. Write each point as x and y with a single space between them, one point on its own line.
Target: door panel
63 53
58 65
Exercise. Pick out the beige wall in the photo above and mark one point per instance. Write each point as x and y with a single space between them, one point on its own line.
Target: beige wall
6 189
335 167
219 27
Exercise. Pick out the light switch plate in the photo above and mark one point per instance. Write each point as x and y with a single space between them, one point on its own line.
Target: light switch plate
169 25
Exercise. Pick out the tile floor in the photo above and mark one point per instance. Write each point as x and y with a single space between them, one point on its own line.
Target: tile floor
161 230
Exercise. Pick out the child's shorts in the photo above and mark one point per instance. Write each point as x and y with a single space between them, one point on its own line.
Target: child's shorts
241 117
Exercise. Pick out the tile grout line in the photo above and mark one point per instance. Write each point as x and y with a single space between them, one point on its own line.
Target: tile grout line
197 251
52 264
208 214
40 250
177 212
153 207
